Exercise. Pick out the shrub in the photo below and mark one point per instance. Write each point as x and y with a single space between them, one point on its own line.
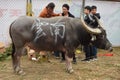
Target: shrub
6 54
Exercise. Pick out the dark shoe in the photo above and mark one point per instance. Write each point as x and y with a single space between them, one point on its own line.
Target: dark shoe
74 62
62 60
86 60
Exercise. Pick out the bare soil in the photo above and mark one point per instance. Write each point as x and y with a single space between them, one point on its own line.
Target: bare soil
105 68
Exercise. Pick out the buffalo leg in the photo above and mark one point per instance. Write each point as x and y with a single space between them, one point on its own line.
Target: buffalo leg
68 57
16 60
69 64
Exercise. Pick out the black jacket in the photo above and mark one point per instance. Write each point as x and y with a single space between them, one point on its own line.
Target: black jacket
88 19
95 23
91 20
69 15
97 15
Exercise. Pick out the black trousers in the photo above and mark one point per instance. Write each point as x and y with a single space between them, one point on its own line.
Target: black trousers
63 56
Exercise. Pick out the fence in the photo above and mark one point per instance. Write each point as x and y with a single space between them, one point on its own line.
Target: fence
12 9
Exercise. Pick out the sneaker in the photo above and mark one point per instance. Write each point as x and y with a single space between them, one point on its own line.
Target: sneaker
57 57
93 59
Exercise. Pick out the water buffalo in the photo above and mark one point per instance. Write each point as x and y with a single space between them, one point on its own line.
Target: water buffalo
53 34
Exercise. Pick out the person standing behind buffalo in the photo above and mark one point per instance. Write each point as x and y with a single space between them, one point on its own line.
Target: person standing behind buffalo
95 25
88 20
65 9
93 14
48 11
65 12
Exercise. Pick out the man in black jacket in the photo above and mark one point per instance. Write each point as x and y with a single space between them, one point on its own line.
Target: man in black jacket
88 19
94 13
65 9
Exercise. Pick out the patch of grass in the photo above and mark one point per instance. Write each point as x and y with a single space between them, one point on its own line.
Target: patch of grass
105 68
2 66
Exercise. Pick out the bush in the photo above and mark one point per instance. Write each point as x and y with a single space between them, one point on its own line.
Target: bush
6 54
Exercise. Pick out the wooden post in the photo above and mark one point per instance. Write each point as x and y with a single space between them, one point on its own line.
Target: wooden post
82 9
29 8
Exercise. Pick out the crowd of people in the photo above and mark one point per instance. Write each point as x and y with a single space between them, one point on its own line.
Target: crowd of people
90 13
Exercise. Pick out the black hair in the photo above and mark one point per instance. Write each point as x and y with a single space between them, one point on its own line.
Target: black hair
66 5
88 8
93 7
50 5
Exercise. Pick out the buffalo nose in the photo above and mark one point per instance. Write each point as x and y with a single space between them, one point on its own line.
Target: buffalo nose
110 49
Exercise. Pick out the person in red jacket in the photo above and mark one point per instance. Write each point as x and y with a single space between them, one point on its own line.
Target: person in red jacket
48 11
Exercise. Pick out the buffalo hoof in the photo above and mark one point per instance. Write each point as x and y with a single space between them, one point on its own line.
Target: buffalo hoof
19 72
70 71
22 73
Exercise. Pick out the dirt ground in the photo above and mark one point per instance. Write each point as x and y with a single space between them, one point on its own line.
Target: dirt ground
105 68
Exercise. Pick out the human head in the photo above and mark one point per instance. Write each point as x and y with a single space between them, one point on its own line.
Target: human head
87 9
93 9
65 8
50 7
